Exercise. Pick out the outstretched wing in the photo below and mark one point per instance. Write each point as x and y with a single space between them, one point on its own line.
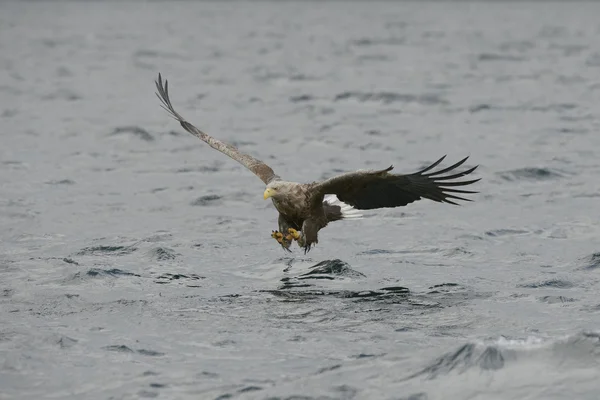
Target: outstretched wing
366 190
260 169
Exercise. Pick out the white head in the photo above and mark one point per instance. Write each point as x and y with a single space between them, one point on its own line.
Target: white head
277 189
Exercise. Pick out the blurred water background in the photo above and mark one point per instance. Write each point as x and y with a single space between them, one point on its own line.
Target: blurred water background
136 262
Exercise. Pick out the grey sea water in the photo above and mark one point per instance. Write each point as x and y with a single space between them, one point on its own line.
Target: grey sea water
136 262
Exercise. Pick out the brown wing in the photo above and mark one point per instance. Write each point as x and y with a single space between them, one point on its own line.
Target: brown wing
260 169
366 190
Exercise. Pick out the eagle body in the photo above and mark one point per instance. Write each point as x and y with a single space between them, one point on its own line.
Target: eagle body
301 211
290 199
306 208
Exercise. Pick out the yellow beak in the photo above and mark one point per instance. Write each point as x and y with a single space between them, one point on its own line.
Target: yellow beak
268 193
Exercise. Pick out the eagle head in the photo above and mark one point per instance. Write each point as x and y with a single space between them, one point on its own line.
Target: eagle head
275 190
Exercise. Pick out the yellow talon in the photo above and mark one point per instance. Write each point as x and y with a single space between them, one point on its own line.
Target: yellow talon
294 233
277 236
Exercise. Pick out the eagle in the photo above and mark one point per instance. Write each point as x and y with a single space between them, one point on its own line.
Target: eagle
306 208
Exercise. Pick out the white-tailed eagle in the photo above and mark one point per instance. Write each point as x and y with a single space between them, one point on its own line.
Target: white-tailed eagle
306 208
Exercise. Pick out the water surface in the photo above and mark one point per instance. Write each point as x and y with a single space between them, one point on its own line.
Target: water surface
136 262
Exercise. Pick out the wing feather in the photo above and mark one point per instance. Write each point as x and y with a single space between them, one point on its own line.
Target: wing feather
259 168
367 190
450 168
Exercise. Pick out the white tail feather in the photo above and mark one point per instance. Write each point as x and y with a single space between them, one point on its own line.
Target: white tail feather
348 212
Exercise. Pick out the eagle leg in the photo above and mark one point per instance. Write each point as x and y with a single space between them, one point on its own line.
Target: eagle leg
284 241
299 237
309 236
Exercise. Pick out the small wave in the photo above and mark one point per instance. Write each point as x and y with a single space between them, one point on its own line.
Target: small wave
292 290
126 349
133 130
65 342
479 107
151 353
447 294
303 78
552 283
537 174
189 280
61 182
377 252
396 289
553 107
163 254
443 286
506 232
330 368
373 132
301 98
590 262
161 236
118 348
390 97
390 41
458 252
335 267
114 272
556 299
364 355
498 354
11 162
62 94
250 389
202 168
208 200
572 130
106 250
466 357
498 57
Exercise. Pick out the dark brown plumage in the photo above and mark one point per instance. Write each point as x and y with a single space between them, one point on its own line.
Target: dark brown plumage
366 190
306 208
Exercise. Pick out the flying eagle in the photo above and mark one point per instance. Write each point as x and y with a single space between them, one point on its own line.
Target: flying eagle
306 208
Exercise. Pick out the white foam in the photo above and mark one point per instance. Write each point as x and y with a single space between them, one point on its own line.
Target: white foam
348 212
528 342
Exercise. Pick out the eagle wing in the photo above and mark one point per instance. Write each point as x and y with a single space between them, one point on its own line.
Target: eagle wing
366 190
260 169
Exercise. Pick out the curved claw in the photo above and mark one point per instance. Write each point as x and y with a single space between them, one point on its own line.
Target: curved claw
277 236
284 241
